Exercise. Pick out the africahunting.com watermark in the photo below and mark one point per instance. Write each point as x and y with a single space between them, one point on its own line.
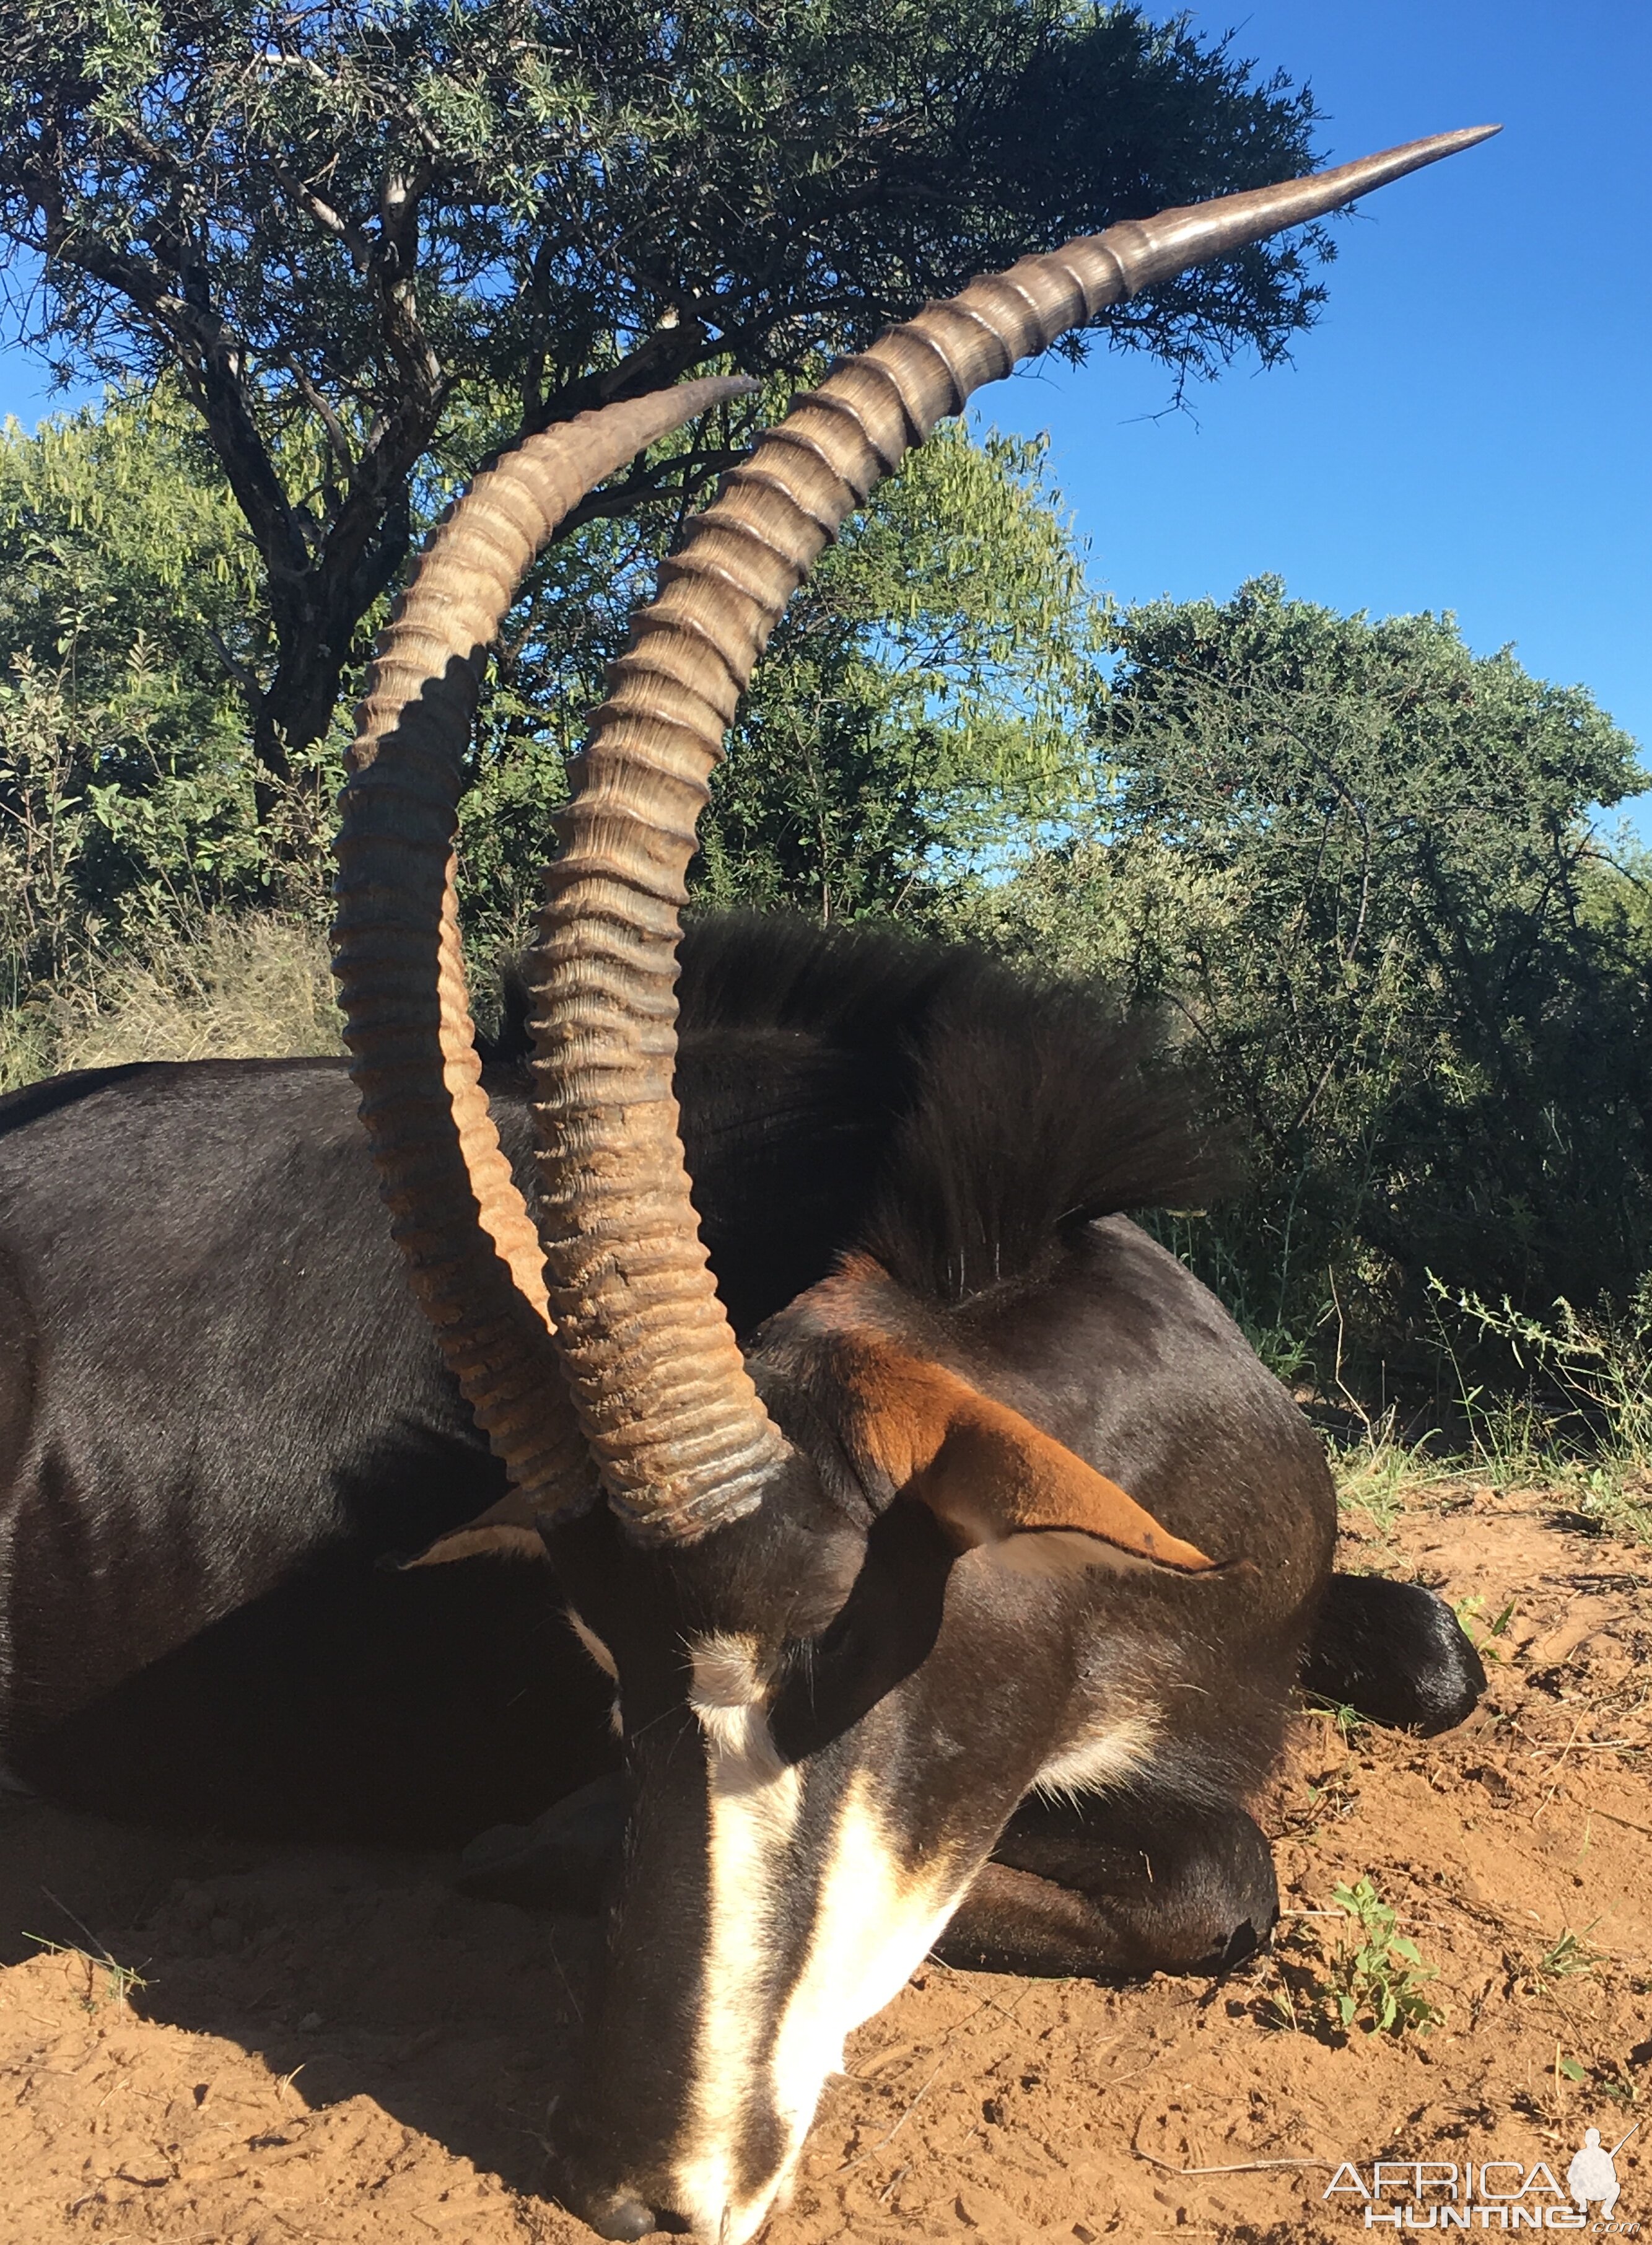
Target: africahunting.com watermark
1489 2194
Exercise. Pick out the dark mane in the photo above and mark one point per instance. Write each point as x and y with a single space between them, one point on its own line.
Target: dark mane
947 1114
1037 1106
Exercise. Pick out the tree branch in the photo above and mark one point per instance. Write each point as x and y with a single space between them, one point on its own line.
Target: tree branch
211 360
338 443
330 220
615 500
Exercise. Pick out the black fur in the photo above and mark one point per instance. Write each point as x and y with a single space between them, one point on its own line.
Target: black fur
1131 1887
1033 1111
219 1405
35 1100
960 1118
563 1862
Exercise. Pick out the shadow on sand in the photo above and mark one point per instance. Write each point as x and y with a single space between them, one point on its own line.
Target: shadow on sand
362 1967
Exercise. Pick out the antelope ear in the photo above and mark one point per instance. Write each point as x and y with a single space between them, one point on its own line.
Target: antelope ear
993 1479
506 1531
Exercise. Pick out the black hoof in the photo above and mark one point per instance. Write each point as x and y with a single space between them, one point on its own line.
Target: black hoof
1394 1653
1229 1867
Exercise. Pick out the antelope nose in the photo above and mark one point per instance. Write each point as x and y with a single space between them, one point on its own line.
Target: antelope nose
620 2216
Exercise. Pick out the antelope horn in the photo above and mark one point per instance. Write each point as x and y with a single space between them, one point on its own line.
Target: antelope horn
682 1441
471 1246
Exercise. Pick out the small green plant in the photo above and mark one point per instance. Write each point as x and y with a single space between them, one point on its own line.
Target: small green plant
1378 1977
1374 1982
1614 1495
1570 1955
1346 1720
27 1047
107 1980
1585 1422
1468 1610
1375 1474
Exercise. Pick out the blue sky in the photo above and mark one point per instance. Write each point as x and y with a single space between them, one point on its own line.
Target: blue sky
1470 424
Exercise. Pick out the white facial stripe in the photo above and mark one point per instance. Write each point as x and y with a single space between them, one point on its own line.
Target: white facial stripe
1100 1757
725 1672
875 1919
605 1660
754 1800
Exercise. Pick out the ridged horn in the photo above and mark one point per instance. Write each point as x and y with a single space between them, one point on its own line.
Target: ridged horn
682 1438
469 1243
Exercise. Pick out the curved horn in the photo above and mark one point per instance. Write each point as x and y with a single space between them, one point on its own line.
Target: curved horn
463 1225
657 1379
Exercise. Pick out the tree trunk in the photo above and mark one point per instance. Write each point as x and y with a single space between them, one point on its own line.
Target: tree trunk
316 619
288 719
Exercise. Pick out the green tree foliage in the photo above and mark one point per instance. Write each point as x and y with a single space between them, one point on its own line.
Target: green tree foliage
128 593
1357 861
921 703
919 707
370 243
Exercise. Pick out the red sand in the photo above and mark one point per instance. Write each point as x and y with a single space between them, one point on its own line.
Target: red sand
332 2047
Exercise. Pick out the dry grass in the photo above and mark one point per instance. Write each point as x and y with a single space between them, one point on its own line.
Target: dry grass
27 1047
255 986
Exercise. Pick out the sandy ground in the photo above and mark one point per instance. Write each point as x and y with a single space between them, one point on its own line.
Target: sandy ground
333 2047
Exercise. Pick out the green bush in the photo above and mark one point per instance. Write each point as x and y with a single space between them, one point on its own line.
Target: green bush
1357 863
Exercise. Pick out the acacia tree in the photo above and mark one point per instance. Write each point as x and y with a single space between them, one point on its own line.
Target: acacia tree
375 241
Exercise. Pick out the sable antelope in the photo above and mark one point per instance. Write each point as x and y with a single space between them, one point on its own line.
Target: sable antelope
220 1406
964 1600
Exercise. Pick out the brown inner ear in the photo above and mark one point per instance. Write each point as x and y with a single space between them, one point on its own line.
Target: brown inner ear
985 1472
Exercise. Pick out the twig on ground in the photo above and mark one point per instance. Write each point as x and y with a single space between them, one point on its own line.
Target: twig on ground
1559 1761
1644 1830
860 2157
1242 2166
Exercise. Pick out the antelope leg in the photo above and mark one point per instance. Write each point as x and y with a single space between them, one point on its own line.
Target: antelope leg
1117 1888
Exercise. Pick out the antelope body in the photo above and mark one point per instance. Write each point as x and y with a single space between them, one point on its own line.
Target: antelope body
950 1590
